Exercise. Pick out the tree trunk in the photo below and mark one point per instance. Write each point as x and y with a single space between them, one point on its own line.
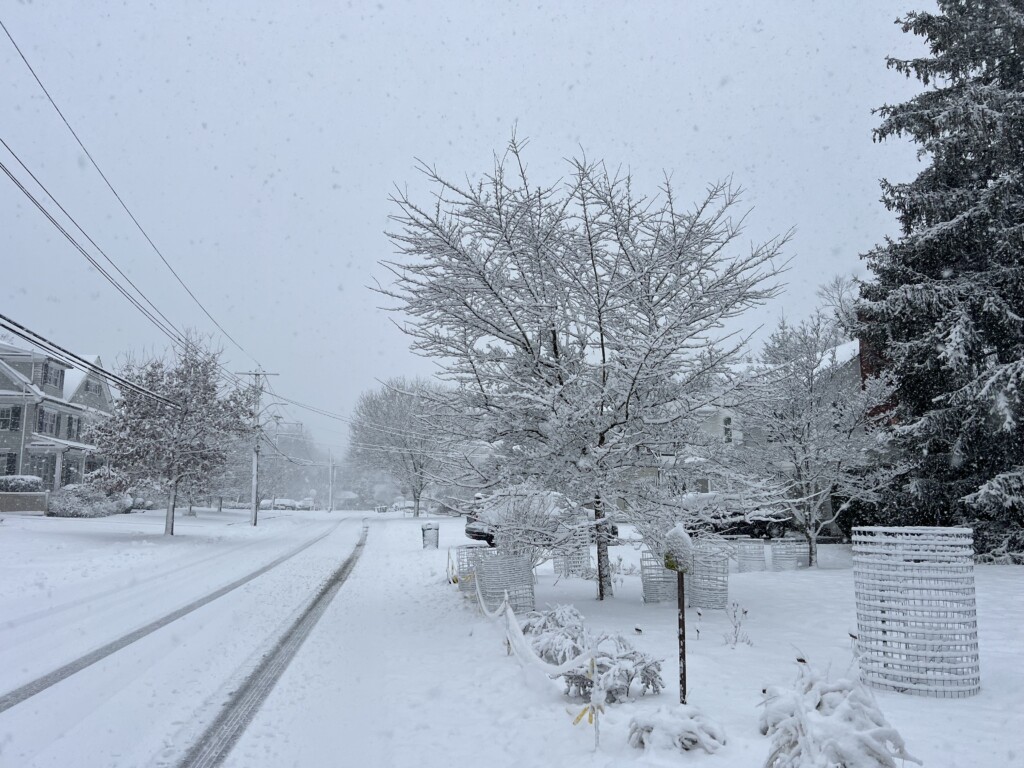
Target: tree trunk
191 512
220 503
604 575
415 504
812 549
169 521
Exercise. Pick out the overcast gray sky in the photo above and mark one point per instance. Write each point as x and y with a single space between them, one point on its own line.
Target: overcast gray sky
258 141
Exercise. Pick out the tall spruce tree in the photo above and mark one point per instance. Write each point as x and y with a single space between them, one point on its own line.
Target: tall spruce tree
946 306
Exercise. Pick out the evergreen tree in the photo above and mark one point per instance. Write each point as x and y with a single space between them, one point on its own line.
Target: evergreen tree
946 306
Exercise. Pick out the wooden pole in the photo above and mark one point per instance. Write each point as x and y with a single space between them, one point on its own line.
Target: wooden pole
681 589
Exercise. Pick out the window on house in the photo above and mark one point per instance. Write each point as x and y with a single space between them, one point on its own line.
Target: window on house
8 463
48 422
92 387
71 428
727 428
702 485
53 376
10 418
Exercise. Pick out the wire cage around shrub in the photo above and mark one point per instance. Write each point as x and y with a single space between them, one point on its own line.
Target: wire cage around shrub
917 626
710 579
573 559
500 574
786 554
660 584
466 557
749 554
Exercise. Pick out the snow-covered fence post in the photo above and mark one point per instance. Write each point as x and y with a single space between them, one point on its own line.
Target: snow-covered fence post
679 558
917 626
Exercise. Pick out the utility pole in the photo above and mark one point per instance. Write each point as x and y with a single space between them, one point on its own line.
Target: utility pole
330 480
258 390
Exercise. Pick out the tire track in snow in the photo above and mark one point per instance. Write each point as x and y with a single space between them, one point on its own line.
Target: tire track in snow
50 679
220 737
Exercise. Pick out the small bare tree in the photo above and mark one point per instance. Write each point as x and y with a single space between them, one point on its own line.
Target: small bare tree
814 429
395 428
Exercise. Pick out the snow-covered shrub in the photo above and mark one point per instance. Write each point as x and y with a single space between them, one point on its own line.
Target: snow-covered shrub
680 727
558 635
21 484
87 501
828 724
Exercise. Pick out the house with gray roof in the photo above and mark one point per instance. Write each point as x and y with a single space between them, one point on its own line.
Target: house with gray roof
45 406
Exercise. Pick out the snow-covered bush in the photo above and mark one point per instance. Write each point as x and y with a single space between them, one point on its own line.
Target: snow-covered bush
680 727
558 635
828 724
21 484
87 501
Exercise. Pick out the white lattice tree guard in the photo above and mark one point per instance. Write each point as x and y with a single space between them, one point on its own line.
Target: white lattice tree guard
710 579
786 554
574 560
917 627
661 585
749 554
466 557
500 574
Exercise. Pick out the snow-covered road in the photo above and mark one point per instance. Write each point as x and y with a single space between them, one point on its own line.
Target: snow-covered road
142 702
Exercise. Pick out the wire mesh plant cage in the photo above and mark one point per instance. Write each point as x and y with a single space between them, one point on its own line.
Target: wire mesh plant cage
574 558
917 625
499 574
710 578
749 554
660 584
466 557
786 554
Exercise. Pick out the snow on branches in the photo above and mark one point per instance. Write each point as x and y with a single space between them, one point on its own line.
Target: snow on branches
581 321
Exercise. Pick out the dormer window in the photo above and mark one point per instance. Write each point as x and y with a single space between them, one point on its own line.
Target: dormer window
53 376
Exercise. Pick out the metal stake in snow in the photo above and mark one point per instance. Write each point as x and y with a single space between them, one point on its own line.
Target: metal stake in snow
679 558
258 391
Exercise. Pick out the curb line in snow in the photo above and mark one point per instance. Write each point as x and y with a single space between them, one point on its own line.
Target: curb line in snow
220 737
40 684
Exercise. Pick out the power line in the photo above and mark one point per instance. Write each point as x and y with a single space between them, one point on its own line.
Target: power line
165 326
118 196
75 361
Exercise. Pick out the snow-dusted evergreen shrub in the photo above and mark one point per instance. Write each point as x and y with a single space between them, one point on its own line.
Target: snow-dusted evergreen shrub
820 723
680 727
558 635
87 501
21 484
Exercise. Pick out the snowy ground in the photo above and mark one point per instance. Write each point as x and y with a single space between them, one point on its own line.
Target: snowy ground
401 670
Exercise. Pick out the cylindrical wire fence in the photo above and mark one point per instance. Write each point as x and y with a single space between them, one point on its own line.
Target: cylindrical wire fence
499 574
660 584
574 558
786 554
749 554
466 557
710 579
917 627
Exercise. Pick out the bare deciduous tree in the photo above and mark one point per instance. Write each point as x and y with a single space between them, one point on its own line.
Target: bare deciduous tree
581 322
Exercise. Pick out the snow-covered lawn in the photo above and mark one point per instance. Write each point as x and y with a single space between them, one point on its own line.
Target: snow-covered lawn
402 670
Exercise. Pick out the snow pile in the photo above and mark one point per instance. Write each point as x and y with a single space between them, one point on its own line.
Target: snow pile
558 635
681 727
822 724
